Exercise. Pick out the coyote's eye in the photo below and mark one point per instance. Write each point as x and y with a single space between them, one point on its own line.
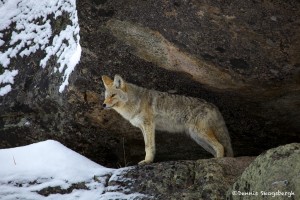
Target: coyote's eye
113 95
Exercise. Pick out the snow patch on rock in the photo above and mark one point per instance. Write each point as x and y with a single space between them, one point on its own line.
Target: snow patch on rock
29 169
32 31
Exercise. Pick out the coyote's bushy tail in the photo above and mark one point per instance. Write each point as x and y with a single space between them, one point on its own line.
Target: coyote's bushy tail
223 137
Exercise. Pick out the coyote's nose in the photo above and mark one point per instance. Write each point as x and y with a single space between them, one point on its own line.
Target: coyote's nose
104 105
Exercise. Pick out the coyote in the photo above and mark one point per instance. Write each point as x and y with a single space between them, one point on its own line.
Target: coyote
150 110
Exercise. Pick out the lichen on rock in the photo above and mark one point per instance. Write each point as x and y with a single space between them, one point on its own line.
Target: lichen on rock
274 173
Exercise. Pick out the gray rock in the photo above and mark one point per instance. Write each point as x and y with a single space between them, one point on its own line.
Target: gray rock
201 179
274 173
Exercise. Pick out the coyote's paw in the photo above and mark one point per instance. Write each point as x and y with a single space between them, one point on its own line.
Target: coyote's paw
145 162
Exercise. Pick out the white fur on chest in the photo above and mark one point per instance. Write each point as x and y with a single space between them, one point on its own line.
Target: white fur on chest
136 121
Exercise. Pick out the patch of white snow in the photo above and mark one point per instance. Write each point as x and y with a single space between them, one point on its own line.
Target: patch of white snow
7 77
33 32
28 169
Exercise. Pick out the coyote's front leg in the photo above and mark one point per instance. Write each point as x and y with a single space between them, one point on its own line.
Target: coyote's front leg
149 138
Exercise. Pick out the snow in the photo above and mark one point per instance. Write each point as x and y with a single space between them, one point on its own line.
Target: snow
7 77
28 169
33 31
4 90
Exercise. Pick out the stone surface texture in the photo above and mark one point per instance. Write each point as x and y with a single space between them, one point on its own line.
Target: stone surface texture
273 174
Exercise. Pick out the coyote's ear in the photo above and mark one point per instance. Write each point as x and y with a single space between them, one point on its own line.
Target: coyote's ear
107 81
119 82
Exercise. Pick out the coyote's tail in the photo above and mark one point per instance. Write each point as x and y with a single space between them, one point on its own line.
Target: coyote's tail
223 137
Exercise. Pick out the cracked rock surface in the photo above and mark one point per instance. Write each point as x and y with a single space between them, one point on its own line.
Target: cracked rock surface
201 179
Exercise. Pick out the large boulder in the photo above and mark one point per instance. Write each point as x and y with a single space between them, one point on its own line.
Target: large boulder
201 179
240 55
274 173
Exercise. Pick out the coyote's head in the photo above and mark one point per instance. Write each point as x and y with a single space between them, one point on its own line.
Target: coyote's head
115 92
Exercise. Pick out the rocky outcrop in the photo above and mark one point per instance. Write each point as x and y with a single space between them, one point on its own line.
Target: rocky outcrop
201 179
234 55
151 46
241 56
274 173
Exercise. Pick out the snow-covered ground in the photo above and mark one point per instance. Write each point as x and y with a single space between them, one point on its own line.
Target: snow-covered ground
26 170
32 31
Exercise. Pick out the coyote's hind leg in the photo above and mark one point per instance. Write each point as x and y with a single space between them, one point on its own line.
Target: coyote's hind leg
207 139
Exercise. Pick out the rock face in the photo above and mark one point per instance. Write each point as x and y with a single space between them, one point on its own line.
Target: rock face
274 173
240 55
201 179
235 55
